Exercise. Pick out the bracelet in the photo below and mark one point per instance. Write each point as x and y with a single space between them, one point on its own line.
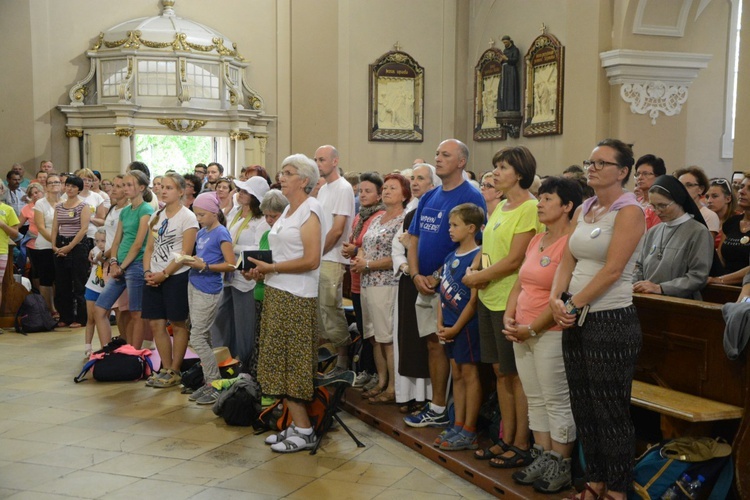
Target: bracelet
166 274
205 268
113 261
146 272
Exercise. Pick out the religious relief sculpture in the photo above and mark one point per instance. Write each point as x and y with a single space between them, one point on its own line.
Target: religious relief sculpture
487 78
396 98
509 89
545 67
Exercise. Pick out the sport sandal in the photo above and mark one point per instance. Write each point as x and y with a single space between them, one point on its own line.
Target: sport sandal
170 379
295 442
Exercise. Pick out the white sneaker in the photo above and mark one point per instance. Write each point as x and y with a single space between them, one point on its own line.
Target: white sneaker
361 379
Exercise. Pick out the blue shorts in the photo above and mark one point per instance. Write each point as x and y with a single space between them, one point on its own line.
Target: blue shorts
132 280
91 295
465 345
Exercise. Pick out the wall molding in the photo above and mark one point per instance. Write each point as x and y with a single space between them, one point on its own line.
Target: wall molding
642 27
653 82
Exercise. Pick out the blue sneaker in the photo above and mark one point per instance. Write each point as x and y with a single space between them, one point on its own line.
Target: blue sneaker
428 418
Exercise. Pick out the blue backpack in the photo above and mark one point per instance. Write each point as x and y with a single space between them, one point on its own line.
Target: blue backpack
655 473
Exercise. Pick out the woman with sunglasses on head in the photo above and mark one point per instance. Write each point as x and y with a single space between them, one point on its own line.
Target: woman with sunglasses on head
172 232
602 334
676 255
735 247
647 169
42 256
492 196
224 189
721 199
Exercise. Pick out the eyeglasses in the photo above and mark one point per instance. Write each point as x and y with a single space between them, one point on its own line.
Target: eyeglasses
691 185
662 206
644 174
53 182
488 185
287 173
597 164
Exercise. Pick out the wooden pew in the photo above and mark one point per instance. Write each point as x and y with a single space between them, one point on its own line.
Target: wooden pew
721 294
683 351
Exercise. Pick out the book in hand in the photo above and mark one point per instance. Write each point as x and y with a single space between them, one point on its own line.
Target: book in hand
262 255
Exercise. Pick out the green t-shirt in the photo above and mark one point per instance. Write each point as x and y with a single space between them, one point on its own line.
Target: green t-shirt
130 218
260 287
496 240
7 215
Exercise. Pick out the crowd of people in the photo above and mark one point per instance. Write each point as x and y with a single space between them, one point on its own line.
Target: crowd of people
531 275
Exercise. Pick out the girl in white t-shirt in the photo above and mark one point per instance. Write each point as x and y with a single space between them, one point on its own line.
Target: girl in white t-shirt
172 231
94 286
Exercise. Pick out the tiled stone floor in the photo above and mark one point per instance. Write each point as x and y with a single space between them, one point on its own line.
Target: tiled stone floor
59 439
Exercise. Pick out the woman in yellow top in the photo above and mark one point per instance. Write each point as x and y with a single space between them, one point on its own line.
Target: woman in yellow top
505 238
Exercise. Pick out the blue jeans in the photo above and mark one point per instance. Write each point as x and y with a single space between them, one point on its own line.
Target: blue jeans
132 279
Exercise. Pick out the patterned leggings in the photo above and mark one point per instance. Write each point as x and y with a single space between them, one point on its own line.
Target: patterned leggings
600 359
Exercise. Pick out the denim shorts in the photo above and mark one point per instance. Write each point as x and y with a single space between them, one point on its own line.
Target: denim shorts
132 280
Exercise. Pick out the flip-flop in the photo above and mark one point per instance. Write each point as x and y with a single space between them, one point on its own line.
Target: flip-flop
487 453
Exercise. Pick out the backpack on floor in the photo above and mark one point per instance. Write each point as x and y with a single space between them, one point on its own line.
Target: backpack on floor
276 417
33 316
657 470
124 364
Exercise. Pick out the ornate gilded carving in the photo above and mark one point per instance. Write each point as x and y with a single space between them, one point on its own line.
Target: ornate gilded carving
181 124
79 91
180 43
73 132
238 136
98 43
263 140
124 131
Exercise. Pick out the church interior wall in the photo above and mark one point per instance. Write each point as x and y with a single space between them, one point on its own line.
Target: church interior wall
309 61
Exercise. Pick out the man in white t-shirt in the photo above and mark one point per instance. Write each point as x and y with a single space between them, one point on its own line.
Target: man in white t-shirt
337 199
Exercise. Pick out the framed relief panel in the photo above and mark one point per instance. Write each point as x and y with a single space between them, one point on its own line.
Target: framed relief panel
487 75
545 70
396 110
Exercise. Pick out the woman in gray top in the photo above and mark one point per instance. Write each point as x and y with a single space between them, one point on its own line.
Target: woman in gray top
676 255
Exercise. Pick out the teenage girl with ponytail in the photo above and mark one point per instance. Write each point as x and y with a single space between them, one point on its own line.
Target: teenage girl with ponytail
172 232
126 261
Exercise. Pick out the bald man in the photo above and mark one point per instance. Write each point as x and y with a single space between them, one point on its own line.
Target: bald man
337 199
430 245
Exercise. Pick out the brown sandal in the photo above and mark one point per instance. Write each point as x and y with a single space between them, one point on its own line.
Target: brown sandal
375 391
384 398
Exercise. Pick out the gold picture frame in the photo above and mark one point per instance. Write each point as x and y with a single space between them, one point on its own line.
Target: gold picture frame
396 108
487 75
545 71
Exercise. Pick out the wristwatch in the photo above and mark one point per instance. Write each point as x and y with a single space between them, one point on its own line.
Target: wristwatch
367 266
532 333
436 275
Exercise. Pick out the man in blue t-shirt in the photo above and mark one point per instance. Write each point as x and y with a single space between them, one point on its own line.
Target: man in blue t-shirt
430 245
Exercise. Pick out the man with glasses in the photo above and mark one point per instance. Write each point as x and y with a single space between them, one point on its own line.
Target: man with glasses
647 169
200 172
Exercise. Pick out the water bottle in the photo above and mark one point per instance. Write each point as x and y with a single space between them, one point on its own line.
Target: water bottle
693 489
674 492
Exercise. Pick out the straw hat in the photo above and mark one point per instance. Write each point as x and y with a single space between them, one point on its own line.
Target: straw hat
224 357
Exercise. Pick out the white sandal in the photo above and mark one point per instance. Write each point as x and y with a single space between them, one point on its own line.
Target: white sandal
279 437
